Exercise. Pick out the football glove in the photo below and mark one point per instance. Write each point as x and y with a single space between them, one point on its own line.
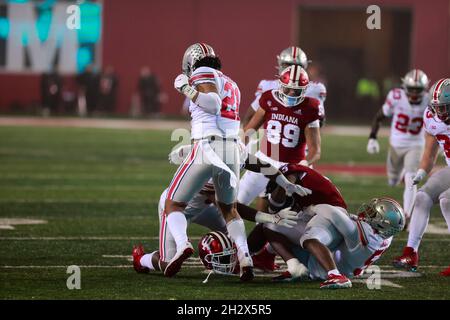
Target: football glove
181 83
291 188
373 146
420 175
178 155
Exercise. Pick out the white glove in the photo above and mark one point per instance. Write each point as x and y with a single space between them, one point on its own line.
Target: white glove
286 218
304 163
291 188
181 83
420 175
373 146
178 155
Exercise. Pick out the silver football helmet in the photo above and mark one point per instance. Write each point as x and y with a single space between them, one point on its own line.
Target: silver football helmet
383 214
440 99
290 56
415 83
194 53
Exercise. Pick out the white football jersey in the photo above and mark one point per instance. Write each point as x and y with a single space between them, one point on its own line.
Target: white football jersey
226 122
315 90
353 262
440 130
407 119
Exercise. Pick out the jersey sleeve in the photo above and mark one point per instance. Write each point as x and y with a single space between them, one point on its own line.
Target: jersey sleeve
389 104
259 91
202 75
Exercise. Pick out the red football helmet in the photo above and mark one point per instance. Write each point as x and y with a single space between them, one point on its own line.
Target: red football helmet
217 252
293 83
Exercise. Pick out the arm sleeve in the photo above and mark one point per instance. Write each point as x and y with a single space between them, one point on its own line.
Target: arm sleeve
255 104
210 102
344 224
389 104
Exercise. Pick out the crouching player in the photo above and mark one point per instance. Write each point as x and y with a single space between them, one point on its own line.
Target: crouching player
331 243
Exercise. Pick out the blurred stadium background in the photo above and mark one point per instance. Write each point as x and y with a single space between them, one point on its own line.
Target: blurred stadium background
95 191
247 35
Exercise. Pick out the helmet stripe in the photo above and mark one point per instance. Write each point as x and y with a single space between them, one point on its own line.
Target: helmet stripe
222 243
204 48
292 75
416 75
294 53
297 75
437 89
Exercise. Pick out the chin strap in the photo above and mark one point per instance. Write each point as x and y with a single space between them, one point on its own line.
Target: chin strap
206 280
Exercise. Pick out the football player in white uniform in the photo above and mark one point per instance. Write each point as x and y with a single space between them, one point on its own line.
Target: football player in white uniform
405 106
437 188
287 57
202 210
214 109
334 245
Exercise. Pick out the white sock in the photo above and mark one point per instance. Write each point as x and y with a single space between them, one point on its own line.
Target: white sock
236 231
269 248
445 208
409 194
295 268
334 271
177 224
419 219
146 260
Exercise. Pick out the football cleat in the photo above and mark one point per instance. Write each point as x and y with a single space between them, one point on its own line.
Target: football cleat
336 281
409 260
446 272
138 253
175 264
265 261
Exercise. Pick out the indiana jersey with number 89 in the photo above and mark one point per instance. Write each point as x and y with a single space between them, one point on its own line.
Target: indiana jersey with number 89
407 122
284 138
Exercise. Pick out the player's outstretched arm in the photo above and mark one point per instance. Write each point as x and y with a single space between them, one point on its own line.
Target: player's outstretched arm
255 164
285 217
313 141
254 124
428 158
372 145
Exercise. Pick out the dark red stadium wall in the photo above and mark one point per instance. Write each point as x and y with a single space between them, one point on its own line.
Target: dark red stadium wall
246 34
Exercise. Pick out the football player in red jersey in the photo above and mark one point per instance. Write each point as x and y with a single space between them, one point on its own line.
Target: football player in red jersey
291 122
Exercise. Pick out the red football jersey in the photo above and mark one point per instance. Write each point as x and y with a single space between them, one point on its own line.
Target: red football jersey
323 190
284 134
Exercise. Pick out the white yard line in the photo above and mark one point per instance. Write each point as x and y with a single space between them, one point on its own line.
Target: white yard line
81 238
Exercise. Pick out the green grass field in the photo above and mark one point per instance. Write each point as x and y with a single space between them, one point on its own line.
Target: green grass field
98 189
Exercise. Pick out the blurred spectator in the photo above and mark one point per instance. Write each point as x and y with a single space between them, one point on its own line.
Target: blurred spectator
107 90
149 92
88 93
51 84
367 96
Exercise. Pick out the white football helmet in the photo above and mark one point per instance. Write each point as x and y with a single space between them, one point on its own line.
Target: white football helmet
194 53
290 56
383 214
440 99
415 83
293 83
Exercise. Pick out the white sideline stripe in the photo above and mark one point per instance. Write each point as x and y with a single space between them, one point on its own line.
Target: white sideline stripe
82 238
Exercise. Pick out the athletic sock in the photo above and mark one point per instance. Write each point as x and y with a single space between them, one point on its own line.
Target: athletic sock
236 231
445 208
146 260
177 224
419 219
